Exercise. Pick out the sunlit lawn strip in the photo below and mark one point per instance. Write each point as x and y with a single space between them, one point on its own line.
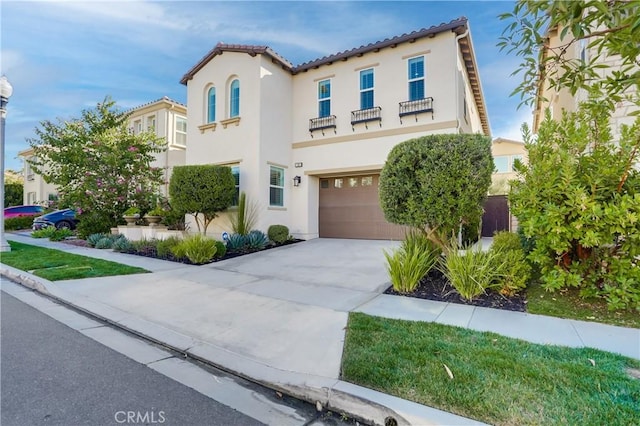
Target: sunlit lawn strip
57 265
569 304
496 379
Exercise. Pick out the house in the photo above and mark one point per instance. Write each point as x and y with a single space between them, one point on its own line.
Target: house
557 101
307 142
497 215
166 117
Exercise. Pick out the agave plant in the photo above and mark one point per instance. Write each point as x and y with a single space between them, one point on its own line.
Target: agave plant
93 239
237 242
257 240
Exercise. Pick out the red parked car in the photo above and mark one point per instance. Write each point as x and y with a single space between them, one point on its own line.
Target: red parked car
17 211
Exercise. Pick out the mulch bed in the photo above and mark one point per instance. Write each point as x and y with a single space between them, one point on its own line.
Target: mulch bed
435 286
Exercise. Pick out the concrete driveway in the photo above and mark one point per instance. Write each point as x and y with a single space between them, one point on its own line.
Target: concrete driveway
286 307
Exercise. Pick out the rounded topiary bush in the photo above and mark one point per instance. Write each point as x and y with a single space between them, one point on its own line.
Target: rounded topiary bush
278 233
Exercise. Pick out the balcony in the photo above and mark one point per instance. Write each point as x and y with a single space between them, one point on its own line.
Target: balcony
322 123
365 116
416 107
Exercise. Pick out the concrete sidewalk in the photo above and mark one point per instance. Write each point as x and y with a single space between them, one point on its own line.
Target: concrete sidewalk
278 317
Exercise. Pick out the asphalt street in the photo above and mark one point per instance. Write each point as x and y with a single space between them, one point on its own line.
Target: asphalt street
53 375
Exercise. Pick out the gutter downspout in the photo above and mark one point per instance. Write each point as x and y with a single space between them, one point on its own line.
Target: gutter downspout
457 47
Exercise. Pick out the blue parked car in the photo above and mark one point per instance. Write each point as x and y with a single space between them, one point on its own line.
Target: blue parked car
61 219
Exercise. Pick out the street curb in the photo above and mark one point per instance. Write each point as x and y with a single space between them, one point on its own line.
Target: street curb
369 406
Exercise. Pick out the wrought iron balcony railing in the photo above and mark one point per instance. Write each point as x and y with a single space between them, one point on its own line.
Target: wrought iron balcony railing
322 123
416 107
366 115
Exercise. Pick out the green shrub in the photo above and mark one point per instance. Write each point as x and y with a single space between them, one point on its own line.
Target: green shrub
122 244
237 242
95 223
94 238
44 232
257 240
278 233
471 232
505 240
471 272
514 270
527 243
437 182
411 262
20 222
221 249
104 243
60 234
202 191
164 247
197 248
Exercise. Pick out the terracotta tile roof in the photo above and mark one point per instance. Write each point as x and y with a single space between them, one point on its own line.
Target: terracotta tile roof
162 99
252 50
459 25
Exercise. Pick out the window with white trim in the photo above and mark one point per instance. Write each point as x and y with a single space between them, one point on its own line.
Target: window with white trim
151 123
211 105
366 88
324 98
181 131
416 78
502 163
137 127
234 99
276 186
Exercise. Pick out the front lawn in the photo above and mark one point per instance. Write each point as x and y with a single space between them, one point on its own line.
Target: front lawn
57 265
496 379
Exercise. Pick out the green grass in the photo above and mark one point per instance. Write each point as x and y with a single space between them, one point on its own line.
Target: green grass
497 380
569 304
57 265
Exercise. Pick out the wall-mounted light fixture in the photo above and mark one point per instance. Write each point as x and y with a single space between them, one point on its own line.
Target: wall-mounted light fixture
297 180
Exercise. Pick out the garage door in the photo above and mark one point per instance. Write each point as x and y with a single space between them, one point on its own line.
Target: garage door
349 208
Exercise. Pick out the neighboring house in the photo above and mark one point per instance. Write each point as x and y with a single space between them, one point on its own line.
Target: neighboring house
36 190
562 100
166 117
307 143
497 216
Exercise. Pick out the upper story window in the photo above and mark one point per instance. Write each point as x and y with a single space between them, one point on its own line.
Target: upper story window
324 98
416 78
181 131
137 127
211 105
276 186
151 123
234 99
366 89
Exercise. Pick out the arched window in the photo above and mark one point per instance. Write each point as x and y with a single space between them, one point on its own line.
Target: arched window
211 105
234 100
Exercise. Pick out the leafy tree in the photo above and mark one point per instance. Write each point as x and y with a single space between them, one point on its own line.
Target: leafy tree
579 198
99 167
607 28
13 194
437 183
202 191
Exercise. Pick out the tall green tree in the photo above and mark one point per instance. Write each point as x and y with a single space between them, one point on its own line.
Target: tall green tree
610 29
98 165
437 183
13 194
202 191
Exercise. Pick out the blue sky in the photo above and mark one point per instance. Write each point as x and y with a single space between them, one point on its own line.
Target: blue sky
62 57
